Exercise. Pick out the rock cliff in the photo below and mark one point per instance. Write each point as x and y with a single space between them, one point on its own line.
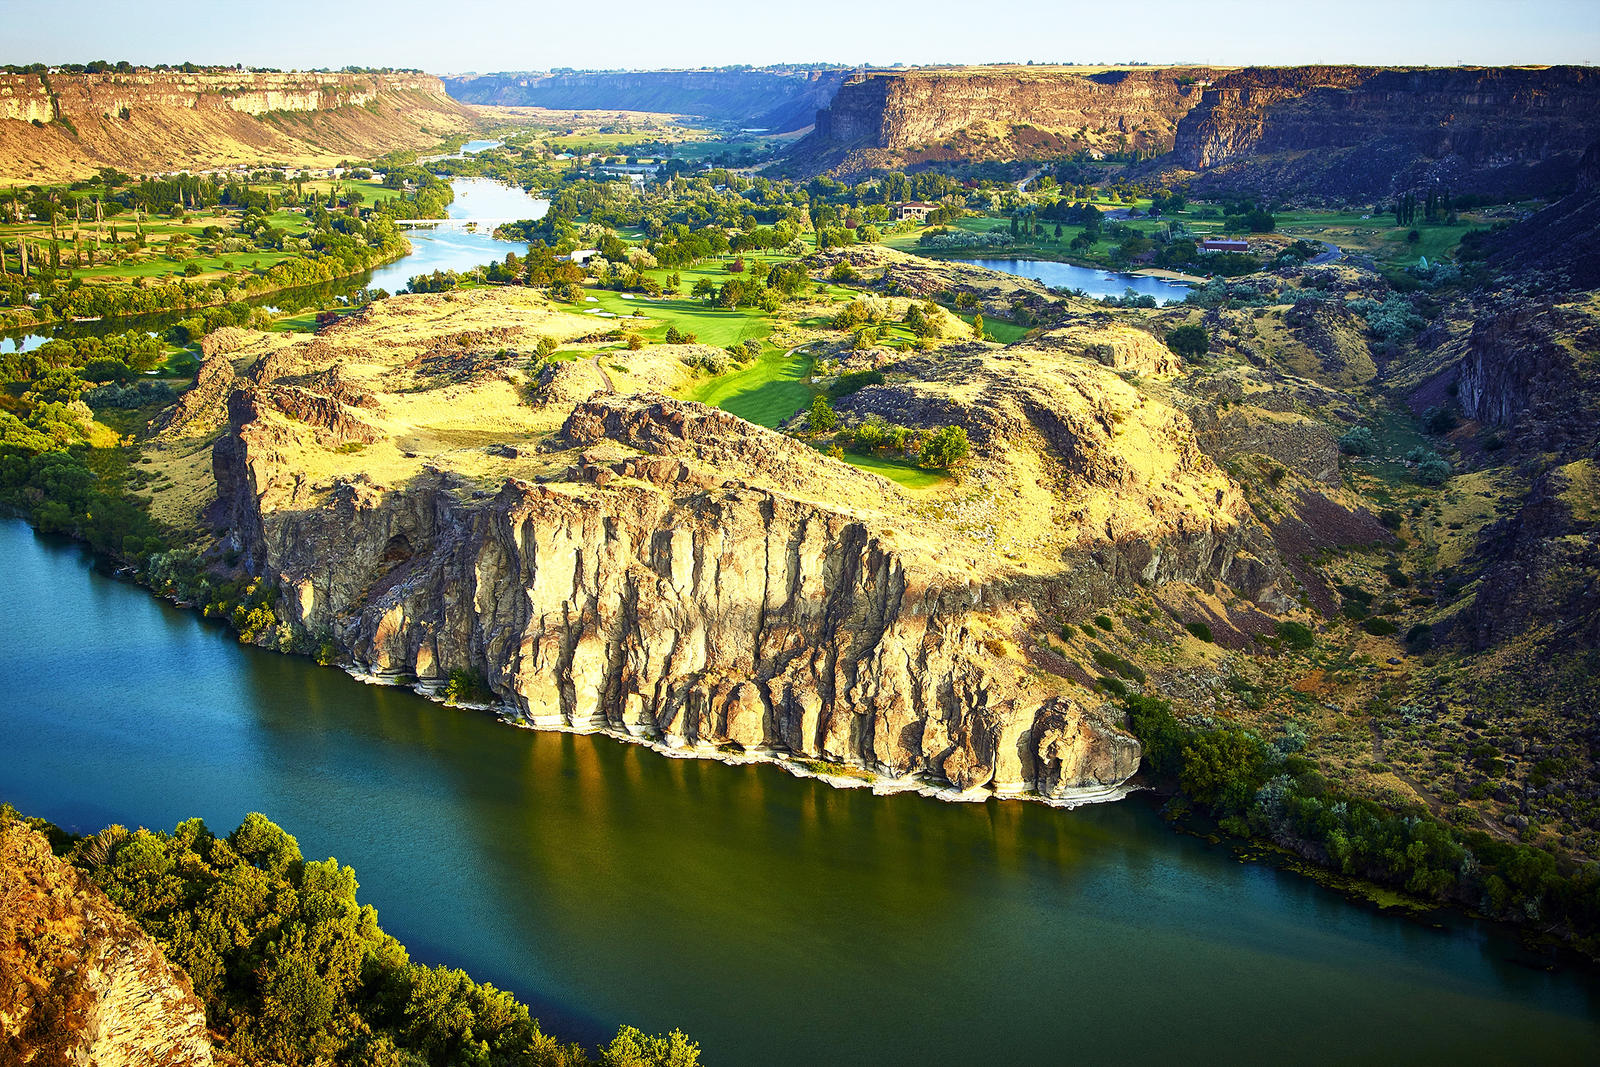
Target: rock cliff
79 981
55 126
912 116
1369 132
1348 132
665 571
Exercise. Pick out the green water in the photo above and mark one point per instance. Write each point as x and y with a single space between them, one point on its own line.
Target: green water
776 920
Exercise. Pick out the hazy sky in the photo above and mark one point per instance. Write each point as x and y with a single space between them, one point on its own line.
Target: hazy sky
446 36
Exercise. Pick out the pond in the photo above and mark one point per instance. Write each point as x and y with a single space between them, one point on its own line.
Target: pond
1095 282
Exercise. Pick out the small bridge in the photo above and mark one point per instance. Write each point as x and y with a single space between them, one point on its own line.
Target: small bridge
459 224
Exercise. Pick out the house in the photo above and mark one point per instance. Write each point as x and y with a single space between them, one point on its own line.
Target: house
581 257
916 209
1224 244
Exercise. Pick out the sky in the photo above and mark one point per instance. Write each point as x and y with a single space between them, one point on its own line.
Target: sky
456 36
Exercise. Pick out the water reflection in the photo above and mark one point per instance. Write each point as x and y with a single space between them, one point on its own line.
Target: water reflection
776 919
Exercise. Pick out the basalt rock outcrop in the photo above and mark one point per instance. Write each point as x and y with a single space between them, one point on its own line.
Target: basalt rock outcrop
58 126
79 981
912 115
666 571
1344 132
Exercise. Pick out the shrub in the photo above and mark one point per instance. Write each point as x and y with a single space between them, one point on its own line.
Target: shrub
854 381
1379 627
1112 662
821 418
1358 442
945 448
1104 622
1296 635
1190 342
1114 686
1200 630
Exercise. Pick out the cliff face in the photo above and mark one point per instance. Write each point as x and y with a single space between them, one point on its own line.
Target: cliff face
1337 131
890 114
641 597
65 125
1364 131
665 571
777 100
79 981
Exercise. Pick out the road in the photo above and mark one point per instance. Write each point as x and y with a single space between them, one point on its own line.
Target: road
1330 256
605 376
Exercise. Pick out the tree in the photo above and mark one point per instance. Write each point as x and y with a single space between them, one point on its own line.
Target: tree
821 418
1190 341
977 326
946 448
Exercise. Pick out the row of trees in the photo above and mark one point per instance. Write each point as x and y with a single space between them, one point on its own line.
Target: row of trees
294 970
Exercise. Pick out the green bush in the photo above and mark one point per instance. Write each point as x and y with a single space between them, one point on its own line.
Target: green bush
293 969
1190 342
1200 630
1379 627
1104 622
1296 635
1112 662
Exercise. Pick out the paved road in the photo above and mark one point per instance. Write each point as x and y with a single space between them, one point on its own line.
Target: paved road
1331 255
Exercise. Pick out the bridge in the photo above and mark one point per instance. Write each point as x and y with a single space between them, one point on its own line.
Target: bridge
459 224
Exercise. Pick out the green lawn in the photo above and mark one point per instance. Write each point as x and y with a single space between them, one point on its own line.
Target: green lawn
901 471
768 391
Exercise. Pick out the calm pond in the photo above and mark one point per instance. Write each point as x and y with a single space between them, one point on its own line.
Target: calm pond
775 919
1093 281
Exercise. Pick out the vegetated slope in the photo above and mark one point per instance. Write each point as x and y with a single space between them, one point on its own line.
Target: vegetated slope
273 953
778 99
909 117
79 981
1559 241
56 127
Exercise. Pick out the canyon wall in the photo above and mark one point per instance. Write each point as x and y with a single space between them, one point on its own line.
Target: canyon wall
1349 132
1364 131
880 116
57 126
642 598
775 100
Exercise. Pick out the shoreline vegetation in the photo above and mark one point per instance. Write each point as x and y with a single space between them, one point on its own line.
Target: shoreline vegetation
293 969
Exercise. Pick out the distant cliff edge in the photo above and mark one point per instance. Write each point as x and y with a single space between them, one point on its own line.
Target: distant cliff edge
776 100
55 127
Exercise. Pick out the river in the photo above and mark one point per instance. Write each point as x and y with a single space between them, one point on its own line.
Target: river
1093 281
775 919
432 248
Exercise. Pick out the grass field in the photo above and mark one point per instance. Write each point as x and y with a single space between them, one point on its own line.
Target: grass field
770 390
901 471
